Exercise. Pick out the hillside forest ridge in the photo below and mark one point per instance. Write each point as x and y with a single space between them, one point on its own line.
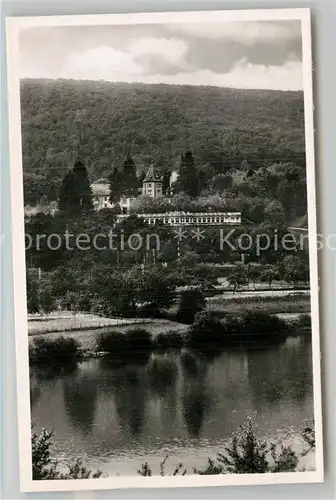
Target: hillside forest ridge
247 146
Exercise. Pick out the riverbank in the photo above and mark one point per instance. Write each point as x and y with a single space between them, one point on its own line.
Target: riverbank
61 322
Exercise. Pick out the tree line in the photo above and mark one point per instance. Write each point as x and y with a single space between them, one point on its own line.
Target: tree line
100 121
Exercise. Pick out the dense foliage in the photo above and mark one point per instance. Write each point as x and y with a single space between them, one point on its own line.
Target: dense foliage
100 122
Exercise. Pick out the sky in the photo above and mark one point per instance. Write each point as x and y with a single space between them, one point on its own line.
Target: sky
255 54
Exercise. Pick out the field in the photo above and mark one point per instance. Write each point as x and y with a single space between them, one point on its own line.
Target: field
86 327
293 303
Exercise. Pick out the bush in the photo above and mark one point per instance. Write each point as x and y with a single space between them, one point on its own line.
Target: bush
139 339
48 350
210 329
260 322
169 340
207 329
191 302
247 454
150 310
304 321
43 467
111 342
118 343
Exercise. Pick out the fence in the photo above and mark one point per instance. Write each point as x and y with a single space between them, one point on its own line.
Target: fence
81 323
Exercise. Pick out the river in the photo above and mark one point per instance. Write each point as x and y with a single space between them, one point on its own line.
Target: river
117 416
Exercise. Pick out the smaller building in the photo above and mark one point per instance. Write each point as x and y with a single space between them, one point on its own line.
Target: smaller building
152 184
101 196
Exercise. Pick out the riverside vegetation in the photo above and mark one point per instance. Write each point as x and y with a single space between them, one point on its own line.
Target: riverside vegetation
207 332
246 453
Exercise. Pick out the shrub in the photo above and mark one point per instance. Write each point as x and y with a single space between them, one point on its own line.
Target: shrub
304 321
247 454
49 350
207 329
210 329
119 344
169 340
43 467
150 310
191 302
260 322
138 339
111 342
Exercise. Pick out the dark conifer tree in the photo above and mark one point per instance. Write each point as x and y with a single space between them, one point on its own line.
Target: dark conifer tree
166 182
83 188
188 179
116 185
75 194
68 196
130 181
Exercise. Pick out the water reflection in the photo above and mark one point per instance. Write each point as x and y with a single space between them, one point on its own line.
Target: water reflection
80 401
196 397
161 374
138 407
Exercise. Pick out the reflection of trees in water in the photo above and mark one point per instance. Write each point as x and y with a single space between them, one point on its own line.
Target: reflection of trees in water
278 373
161 374
130 397
196 398
80 401
44 377
52 372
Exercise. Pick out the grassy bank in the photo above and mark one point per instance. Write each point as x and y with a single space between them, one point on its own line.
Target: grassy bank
209 331
299 303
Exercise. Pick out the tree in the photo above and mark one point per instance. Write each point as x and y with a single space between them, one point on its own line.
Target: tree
75 195
46 299
191 302
294 269
221 182
130 181
32 295
166 182
253 274
275 212
68 197
116 185
238 278
188 179
268 275
82 184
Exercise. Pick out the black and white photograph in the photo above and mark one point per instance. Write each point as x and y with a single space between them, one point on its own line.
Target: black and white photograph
165 249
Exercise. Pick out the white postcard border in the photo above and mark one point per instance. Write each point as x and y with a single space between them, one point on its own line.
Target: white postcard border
14 25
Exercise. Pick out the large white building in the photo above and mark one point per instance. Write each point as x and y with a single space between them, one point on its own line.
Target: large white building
152 187
190 218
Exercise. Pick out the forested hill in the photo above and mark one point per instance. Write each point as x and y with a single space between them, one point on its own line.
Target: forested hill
101 121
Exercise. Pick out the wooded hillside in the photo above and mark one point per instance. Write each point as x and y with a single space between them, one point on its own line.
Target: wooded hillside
100 122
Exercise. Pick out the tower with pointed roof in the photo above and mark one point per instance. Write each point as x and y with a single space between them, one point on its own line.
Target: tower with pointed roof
152 183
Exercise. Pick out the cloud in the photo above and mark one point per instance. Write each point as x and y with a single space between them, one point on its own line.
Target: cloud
101 63
247 33
106 63
172 50
243 75
241 55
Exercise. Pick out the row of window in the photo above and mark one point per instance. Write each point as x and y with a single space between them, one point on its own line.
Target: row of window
194 220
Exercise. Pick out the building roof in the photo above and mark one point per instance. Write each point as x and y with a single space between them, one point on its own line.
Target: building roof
100 189
151 175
